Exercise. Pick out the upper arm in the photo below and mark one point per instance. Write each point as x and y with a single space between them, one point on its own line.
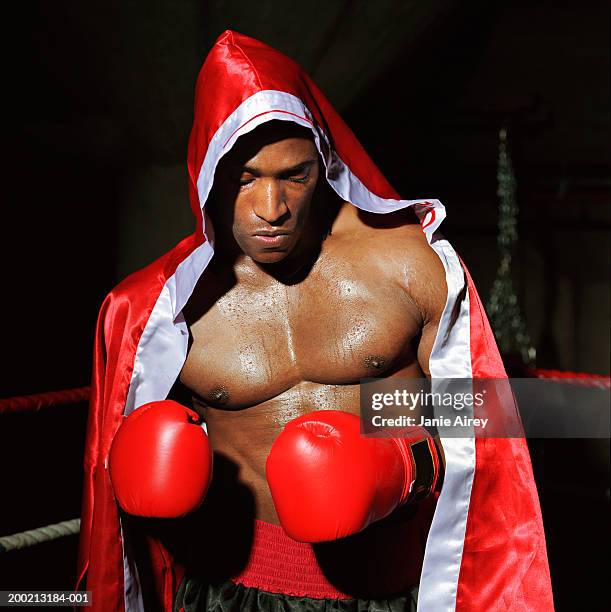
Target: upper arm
425 282
425 346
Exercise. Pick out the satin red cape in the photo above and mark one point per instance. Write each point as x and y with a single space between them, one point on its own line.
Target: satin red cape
504 564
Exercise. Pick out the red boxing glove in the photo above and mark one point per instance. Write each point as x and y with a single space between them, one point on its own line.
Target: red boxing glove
328 482
160 461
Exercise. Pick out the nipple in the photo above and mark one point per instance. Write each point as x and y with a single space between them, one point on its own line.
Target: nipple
374 362
219 395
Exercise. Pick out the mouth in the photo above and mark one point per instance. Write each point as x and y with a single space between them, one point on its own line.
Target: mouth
271 238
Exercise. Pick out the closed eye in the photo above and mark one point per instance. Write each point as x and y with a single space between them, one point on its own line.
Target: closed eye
298 179
299 173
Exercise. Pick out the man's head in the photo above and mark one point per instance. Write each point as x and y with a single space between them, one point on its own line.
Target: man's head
264 190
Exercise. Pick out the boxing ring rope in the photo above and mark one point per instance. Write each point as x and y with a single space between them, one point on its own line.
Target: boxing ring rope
577 378
39 401
40 535
34 403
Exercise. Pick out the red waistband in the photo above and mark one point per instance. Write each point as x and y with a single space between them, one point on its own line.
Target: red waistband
279 564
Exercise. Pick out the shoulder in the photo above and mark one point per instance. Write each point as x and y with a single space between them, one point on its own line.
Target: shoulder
395 245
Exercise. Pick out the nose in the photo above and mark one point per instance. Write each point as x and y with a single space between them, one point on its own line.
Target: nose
270 202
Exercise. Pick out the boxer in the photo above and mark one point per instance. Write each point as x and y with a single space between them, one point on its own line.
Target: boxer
306 296
292 288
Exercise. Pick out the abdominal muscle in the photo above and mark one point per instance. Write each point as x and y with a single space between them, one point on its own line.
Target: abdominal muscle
393 547
244 437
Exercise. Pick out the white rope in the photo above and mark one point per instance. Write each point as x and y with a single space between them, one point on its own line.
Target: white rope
40 535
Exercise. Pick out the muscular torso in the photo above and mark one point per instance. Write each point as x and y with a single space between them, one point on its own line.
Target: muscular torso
264 352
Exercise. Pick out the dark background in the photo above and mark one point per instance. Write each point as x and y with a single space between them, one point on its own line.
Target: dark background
99 106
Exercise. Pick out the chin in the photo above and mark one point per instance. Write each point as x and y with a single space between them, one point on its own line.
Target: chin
269 257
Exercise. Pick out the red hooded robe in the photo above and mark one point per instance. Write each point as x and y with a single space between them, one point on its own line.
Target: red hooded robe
486 547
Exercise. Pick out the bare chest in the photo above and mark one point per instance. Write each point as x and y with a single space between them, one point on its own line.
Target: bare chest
252 346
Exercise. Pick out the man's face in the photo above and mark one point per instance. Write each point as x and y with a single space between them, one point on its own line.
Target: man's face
265 191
